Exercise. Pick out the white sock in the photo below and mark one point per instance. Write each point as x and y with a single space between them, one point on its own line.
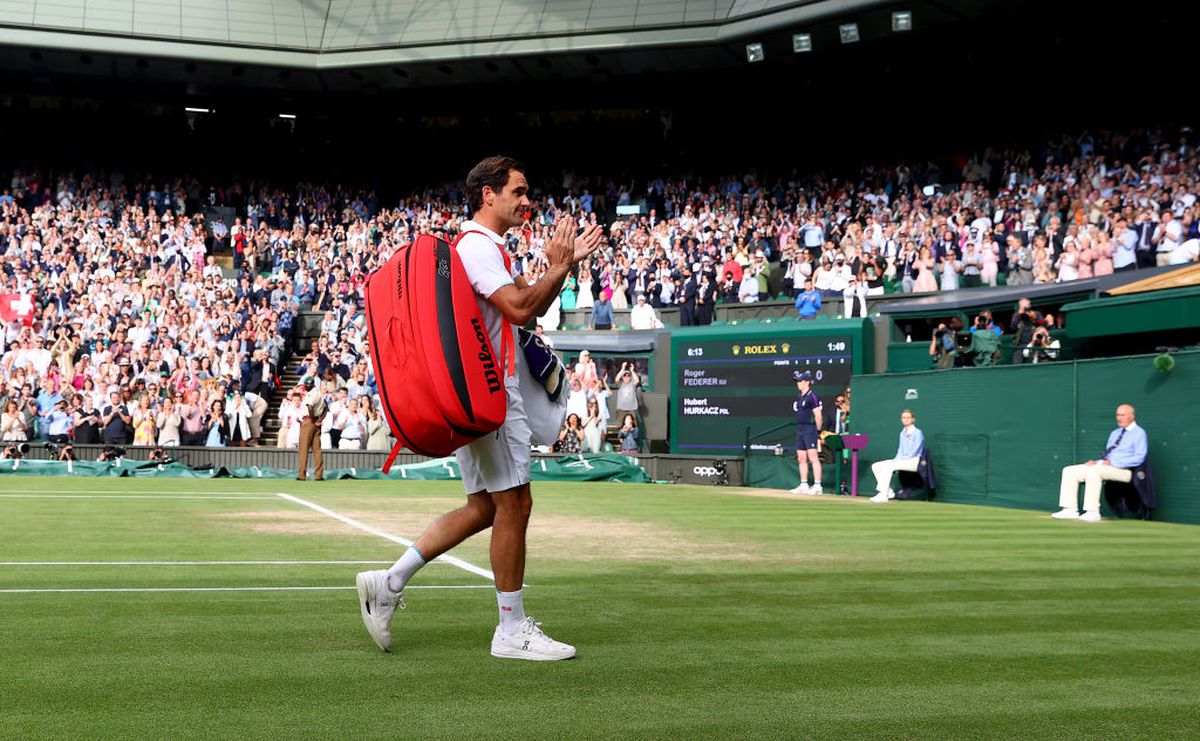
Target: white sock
512 610
403 570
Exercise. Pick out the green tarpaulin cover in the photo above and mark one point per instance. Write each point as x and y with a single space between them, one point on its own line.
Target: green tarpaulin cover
610 467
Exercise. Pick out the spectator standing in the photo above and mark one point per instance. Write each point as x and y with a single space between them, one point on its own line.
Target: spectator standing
593 428
570 438
58 423
217 426
87 422
168 422
145 431
602 313
377 430
629 435
354 427
239 416
642 315
808 303
629 385
115 419
192 416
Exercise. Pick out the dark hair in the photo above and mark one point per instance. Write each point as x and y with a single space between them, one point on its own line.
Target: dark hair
491 172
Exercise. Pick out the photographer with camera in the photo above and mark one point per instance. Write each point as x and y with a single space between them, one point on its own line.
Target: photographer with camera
15 451
943 347
1024 321
1041 346
111 453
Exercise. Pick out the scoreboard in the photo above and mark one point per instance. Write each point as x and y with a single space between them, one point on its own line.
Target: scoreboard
725 379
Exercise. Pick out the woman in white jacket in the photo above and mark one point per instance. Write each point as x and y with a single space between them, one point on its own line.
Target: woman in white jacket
238 415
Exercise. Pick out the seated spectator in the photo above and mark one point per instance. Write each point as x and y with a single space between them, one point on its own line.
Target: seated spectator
1125 451
907 458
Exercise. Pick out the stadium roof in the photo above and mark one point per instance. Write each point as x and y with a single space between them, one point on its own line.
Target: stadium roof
330 34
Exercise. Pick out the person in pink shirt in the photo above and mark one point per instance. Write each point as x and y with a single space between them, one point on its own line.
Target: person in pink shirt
1085 257
1102 253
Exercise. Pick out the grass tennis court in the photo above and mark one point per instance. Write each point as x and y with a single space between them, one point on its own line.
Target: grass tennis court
697 613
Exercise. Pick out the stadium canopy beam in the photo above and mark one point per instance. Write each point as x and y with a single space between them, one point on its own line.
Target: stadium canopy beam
323 56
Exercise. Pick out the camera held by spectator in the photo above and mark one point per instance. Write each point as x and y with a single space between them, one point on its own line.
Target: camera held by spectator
158 455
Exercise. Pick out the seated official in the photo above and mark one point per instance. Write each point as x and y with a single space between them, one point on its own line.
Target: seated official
908 458
1125 451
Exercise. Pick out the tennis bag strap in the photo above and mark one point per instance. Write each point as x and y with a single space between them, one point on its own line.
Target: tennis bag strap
507 349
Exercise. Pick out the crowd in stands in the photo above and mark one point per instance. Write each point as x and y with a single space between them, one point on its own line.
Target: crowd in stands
138 336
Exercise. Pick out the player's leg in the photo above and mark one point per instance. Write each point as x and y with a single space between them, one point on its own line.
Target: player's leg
381 592
512 508
802 465
815 462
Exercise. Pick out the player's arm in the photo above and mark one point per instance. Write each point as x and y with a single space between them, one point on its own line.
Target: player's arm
817 416
521 302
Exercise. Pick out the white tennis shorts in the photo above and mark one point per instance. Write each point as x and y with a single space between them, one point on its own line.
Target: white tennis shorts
500 460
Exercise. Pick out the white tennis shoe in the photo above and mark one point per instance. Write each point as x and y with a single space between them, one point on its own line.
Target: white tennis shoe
1066 514
377 604
529 643
880 498
1092 516
801 489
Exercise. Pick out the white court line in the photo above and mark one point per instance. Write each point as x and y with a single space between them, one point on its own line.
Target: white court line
464 565
234 589
124 496
189 563
76 491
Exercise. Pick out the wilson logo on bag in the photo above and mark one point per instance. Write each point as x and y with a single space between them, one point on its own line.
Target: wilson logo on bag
439 379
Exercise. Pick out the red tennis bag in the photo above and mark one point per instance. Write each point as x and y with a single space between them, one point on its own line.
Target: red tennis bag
441 383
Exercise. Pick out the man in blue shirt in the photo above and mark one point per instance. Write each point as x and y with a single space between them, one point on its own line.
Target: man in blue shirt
908 456
808 422
1126 450
808 303
602 313
58 423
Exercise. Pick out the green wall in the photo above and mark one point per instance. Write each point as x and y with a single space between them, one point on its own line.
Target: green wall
1001 436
